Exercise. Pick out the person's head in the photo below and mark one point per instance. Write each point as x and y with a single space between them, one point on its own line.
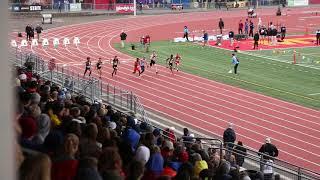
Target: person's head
268 140
171 56
36 167
230 126
137 59
75 112
74 127
240 143
185 27
220 19
28 127
88 59
224 167
185 131
100 60
34 111
109 160
35 98
233 54
92 131
71 144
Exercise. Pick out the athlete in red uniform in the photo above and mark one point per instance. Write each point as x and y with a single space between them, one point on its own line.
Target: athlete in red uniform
177 61
136 67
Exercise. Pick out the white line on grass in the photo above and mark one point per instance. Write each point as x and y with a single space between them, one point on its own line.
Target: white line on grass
314 94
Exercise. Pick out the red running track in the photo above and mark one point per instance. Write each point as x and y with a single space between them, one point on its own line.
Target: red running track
194 101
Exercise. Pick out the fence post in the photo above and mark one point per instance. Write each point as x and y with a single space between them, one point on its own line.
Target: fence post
299 173
127 99
114 95
135 105
131 100
108 93
221 147
121 98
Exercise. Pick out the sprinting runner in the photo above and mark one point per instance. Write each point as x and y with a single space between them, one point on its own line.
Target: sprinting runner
99 66
170 62
142 64
136 66
115 63
177 62
153 59
88 67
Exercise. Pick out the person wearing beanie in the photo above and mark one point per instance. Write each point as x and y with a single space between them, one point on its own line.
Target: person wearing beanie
35 98
44 125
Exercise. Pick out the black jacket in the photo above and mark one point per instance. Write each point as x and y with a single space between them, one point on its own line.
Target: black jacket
229 135
269 149
221 24
123 36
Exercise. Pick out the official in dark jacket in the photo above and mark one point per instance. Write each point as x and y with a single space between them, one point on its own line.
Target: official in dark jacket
221 25
229 136
269 149
123 37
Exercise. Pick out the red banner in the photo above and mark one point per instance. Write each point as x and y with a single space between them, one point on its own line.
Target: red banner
124 8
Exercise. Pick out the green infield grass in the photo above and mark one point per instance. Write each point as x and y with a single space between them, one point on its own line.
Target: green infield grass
259 71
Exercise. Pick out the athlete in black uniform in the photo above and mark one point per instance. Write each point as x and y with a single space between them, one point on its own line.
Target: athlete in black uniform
115 63
99 66
88 67
170 62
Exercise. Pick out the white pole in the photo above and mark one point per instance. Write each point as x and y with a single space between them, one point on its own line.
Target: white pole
134 7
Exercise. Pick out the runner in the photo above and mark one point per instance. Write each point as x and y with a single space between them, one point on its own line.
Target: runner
99 66
115 63
153 59
177 62
88 67
136 66
170 62
142 64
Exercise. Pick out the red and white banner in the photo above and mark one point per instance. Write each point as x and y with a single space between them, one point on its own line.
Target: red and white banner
124 8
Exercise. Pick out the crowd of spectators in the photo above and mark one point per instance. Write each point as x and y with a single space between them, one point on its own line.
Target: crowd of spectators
61 136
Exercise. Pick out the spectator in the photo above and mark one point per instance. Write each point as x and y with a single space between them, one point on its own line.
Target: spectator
39 30
199 164
110 164
223 171
65 165
268 149
142 154
240 27
240 153
43 123
221 25
36 166
88 169
155 164
123 37
229 136
136 170
88 144
130 135
246 27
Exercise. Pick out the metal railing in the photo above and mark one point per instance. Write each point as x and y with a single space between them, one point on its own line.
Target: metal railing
90 87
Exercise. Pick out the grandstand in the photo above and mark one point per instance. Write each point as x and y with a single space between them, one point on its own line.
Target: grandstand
72 127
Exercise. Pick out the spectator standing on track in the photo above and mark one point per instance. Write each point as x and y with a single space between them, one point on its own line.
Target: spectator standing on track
231 38
251 26
235 63
186 33
88 67
318 37
39 30
283 31
205 38
240 27
269 149
221 25
246 27
256 40
123 37
229 137
28 32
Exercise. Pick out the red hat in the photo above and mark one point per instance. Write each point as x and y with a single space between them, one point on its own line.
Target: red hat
28 126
